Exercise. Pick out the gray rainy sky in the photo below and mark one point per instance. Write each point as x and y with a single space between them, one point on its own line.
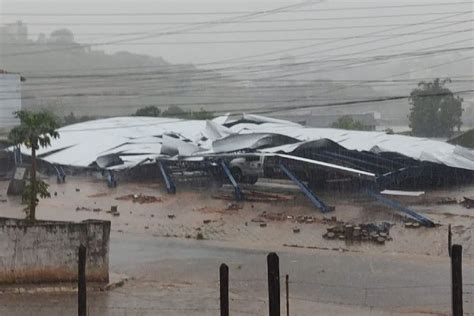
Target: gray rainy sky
322 24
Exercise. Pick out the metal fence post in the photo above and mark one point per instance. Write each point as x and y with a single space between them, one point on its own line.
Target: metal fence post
81 283
450 236
224 289
287 295
273 284
456 279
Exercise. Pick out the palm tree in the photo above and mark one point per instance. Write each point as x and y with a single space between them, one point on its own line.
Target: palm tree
35 131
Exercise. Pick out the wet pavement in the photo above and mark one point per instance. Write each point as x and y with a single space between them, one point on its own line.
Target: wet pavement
180 277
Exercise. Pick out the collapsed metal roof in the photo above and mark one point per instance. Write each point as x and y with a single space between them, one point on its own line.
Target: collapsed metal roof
124 142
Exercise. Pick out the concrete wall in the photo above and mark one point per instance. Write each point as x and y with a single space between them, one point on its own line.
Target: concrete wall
47 251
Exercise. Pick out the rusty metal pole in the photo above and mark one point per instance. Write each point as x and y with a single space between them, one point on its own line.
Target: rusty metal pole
273 284
287 295
81 283
456 279
224 289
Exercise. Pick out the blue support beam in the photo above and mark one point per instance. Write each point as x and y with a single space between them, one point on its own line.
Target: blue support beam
170 187
111 181
396 205
306 190
60 175
239 195
17 156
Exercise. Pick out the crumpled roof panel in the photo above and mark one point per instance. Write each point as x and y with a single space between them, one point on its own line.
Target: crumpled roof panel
422 149
137 139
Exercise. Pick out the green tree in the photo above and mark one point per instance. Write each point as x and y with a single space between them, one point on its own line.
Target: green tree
175 111
436 111
148 111
347 122
73 119
202 115
35 131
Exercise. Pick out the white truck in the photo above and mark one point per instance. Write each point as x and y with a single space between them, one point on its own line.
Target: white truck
247 169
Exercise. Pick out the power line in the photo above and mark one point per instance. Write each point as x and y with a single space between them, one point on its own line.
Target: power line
372 100
195 27
353 53
308 46
177 90
336 27
285 40
163 74
397 75
227 60
231 12
255 21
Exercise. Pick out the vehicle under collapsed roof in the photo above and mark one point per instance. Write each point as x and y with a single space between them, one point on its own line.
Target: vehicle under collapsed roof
127 142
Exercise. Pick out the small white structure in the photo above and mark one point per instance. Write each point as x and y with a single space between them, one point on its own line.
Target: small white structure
10 99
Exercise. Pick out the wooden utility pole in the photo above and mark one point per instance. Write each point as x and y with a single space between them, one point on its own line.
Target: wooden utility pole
456 279
81 283
224 289
273 284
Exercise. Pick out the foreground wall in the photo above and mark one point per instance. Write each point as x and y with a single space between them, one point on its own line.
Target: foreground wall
47 251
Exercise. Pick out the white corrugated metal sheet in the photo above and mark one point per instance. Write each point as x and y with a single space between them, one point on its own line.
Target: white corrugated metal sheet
421 149
135 139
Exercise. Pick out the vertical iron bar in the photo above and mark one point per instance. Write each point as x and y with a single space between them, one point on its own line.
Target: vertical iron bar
456 279
81 283
224 289
273 284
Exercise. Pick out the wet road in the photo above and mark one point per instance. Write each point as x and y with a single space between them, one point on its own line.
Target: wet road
180 277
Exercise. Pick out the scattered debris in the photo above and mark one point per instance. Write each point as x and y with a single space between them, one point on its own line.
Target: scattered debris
447 200
375 232
82 208
467 202
233 207
98 195
139 198
254 196
410 224
300 219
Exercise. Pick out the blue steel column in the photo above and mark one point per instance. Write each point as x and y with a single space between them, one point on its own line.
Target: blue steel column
170 187
239 196
396 205
306 190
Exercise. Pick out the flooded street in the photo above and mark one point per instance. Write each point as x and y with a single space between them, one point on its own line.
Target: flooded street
169 272
176 277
